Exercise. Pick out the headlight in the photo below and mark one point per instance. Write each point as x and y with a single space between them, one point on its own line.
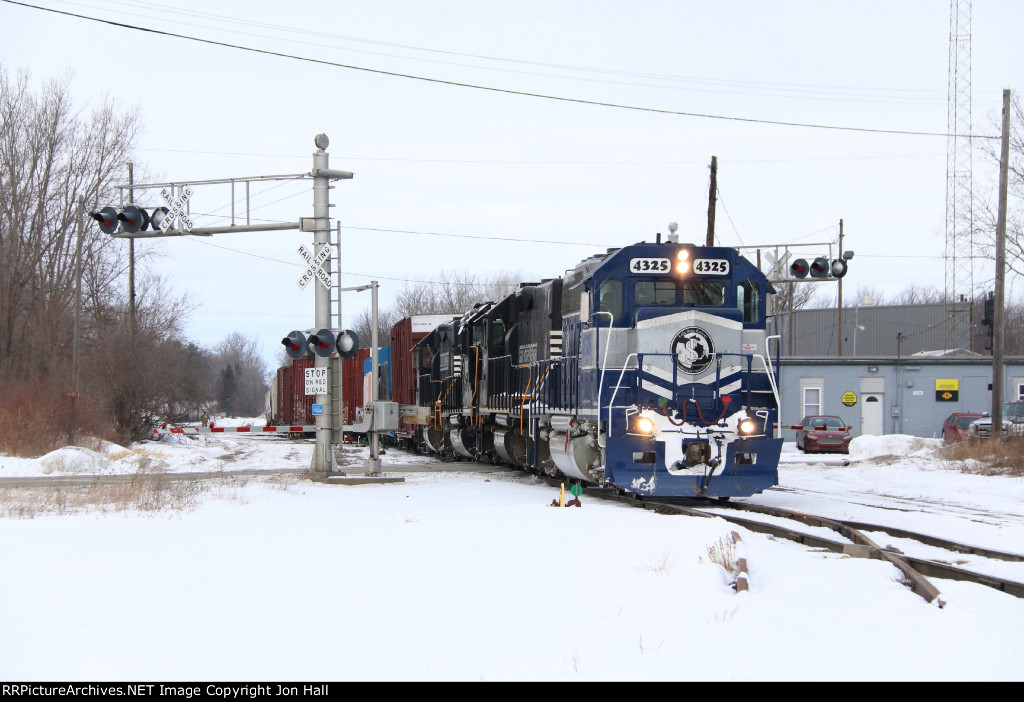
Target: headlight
682 261
644 425
748 426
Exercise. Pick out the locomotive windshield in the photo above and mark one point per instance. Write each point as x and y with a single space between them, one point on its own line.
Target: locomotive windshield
654 292
706 293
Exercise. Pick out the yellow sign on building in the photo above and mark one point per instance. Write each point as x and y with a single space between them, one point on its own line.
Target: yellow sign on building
947 390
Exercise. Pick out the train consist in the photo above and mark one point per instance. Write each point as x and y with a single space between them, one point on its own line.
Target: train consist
646 368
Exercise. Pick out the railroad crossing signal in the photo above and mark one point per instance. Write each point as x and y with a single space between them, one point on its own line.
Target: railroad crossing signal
326 342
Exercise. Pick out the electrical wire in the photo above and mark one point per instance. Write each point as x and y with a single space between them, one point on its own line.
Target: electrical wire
785 90
506 91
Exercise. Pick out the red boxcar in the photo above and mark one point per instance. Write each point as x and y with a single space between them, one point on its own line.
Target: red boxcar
404 336
294 406
352 384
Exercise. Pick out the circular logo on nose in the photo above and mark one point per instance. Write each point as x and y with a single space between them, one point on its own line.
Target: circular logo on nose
693 349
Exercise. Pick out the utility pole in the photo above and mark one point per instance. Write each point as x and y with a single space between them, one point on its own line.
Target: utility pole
997 307
131 254
839 308
712 199
321 463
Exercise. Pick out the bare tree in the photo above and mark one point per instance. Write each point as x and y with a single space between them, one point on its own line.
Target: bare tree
453 292
917 295
793 296
50 154
985 199
238 357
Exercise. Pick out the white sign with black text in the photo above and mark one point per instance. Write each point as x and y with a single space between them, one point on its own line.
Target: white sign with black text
316 381
315 269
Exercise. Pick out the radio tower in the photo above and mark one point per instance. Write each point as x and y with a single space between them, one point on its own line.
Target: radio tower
959 198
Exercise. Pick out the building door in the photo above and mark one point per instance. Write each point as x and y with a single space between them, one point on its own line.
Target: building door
871 414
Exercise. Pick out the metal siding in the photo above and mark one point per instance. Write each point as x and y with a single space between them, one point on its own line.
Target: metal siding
923 328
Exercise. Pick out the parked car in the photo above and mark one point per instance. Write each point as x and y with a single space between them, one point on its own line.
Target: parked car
955 427
821 433
1013 422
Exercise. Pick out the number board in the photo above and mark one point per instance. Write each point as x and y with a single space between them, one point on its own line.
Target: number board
316 381
649 265
711 266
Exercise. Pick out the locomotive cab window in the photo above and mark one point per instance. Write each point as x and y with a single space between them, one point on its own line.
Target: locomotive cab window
654 292
748 299
496 337
609 298
705 293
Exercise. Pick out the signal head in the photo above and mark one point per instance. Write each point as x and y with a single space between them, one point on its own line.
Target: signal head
839 268
820 268
296 345
107 217
134 219
799 268
322 343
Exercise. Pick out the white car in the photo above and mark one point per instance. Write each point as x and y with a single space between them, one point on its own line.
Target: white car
1013 422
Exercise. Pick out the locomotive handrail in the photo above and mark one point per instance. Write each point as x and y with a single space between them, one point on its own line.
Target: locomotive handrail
771 375
522 403
476 373
718 371
611 402
597 350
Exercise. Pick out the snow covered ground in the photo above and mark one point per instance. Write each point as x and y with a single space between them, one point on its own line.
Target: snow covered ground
472 576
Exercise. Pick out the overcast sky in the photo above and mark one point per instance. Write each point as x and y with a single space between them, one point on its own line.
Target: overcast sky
563 177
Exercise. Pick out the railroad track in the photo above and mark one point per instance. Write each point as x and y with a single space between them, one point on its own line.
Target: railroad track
856 541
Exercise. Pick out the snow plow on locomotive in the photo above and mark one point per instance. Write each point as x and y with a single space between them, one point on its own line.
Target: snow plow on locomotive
646 368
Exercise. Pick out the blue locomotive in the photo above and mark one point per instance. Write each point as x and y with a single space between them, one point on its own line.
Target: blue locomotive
646 368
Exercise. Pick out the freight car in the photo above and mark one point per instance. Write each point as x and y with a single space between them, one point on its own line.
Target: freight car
288 404
646 368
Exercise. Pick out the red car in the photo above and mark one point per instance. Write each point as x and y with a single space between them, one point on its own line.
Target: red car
821 433
955 427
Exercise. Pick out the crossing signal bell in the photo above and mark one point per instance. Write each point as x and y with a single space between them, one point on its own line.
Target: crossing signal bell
347 343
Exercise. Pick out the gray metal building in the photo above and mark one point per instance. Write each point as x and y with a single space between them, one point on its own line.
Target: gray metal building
885 395
901 371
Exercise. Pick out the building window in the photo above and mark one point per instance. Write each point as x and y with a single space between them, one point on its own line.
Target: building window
812 401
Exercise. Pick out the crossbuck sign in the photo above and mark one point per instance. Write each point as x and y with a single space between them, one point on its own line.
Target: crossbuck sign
177 210
315 269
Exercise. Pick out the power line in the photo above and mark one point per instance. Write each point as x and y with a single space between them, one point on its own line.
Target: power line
505 91
786 90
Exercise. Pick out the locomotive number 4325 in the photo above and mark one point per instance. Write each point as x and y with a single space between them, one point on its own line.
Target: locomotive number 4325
711 266
649 265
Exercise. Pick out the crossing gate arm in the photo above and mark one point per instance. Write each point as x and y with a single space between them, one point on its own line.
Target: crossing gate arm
236 430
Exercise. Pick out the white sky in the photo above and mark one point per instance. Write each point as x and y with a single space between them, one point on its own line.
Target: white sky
438 158
474 577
